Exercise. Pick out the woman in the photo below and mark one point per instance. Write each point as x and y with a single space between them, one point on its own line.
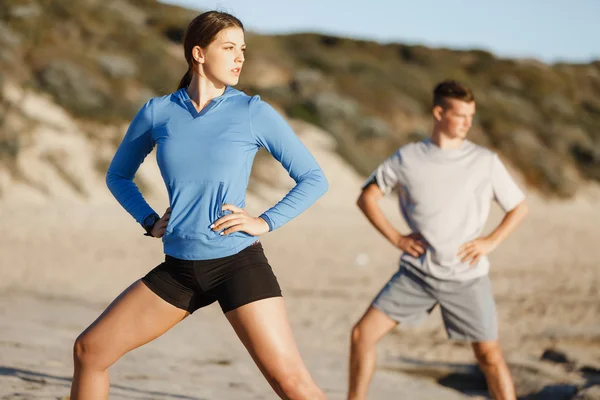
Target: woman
207 135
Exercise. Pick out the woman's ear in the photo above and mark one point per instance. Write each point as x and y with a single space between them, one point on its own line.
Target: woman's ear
198 55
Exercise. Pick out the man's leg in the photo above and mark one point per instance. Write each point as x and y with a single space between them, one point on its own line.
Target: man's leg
469 313
404 298
490 359
373 325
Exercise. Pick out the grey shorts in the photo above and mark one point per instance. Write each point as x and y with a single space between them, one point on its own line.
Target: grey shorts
468 308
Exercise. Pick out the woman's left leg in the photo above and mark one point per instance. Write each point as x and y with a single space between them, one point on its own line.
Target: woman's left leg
264 329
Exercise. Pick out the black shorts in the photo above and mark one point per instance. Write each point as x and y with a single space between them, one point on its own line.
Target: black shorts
232 281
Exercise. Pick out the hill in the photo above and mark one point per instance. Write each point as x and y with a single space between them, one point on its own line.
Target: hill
101 60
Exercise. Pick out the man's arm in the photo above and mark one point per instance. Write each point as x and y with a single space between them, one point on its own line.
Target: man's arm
509 223
477 248
368 202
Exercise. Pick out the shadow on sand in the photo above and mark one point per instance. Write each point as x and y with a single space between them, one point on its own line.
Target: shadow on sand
469 380
47 379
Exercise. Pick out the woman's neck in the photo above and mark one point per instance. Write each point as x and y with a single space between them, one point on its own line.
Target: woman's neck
202 90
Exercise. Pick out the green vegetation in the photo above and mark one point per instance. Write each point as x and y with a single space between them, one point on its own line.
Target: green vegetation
102 60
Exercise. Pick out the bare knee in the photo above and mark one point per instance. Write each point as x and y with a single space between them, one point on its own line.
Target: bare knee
488 355
360 336
88 354
369 330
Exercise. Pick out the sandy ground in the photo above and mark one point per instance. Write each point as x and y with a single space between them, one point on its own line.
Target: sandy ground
63 260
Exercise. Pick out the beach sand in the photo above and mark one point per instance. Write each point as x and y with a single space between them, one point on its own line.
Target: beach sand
64 258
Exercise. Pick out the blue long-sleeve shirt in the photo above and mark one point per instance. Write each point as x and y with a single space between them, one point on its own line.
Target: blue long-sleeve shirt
205 159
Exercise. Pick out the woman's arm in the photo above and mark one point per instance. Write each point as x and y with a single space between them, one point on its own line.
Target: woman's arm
132 151
274 134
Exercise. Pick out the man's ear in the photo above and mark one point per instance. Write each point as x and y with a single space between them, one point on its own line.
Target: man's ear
437 111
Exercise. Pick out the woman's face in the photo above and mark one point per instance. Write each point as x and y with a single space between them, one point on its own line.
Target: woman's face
224 57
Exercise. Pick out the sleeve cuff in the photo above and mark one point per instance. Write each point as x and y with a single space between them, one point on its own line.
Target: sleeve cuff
508 207
268 221
371 179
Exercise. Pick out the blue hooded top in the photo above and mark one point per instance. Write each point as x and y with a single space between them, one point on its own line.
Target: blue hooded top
205 159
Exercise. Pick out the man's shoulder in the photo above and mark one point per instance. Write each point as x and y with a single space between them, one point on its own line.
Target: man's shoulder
411 148
482 149
481 152
413 152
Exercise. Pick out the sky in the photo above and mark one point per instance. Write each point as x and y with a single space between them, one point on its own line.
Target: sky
550 30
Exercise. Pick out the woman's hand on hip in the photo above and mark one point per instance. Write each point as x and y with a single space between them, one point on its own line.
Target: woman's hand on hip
239 221
159 228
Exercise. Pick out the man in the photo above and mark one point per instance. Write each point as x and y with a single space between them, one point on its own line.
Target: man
445 185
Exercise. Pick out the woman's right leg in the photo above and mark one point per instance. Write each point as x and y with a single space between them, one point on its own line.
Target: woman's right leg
264 329
134 318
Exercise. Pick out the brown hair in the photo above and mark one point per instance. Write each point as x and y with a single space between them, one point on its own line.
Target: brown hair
451 90
201 32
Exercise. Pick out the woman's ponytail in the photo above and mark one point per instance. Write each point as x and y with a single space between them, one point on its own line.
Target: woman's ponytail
186 80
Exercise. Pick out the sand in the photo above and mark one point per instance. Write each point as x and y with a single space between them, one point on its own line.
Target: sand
65 257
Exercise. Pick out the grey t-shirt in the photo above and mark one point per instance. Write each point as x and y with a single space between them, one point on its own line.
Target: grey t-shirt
445 195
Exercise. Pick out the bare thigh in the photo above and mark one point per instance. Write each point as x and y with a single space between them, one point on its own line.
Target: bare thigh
134 318
264 329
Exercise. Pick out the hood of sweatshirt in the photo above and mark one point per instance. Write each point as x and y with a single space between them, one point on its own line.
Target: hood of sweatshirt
183 96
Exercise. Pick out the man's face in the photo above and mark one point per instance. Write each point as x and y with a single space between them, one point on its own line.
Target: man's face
456 118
